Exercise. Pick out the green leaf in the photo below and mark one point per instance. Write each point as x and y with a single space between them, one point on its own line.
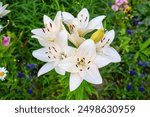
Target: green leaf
146 52
145 45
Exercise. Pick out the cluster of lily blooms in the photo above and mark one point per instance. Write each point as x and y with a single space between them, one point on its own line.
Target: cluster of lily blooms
84 58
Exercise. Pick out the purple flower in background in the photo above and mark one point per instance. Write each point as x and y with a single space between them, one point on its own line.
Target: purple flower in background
31 66
141 89
20 75
19 91
129 87
129 32
144 38
132 72
5 41
29 91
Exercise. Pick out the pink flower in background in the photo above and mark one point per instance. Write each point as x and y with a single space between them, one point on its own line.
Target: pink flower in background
118 4
5 41
115 7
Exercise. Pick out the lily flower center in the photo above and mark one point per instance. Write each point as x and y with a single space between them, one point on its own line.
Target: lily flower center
55 53
2 73
82 63
63 56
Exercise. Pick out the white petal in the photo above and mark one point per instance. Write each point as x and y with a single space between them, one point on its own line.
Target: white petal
5 12
93 76
70 51
38 32
46 68
41 55
108 38
42 41
67 16
112 54
59 70
69 64
75 81
96 23
3 8
62 39
87 49
83 17
76 40
48 23
58 19
102 60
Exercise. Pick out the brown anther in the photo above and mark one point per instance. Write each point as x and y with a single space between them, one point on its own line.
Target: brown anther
76 65
77 59
51 25
88 68
85 19
43 30
89 62
80 69
47 29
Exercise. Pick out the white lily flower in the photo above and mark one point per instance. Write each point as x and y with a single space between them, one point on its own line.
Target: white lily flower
3 12
105 53
49 33
81 25
82 65
54 53
3 72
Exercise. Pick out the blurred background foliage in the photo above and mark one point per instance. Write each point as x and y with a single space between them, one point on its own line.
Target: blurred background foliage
129 79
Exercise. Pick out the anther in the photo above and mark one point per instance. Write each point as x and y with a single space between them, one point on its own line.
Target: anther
88 68
51 25
43 30
89 62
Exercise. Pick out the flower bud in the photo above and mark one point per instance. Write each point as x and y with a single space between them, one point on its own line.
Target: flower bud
98 35
5 41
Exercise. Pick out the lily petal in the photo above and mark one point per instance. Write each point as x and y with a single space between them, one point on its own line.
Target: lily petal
38 32
41 55
62 39
93 76
58 19
87 49
3 8
67 16
46 68
48 23
69 64
96 23
112 54
75 39
108 38
5 12
59 70
75 81
102 60
83 17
